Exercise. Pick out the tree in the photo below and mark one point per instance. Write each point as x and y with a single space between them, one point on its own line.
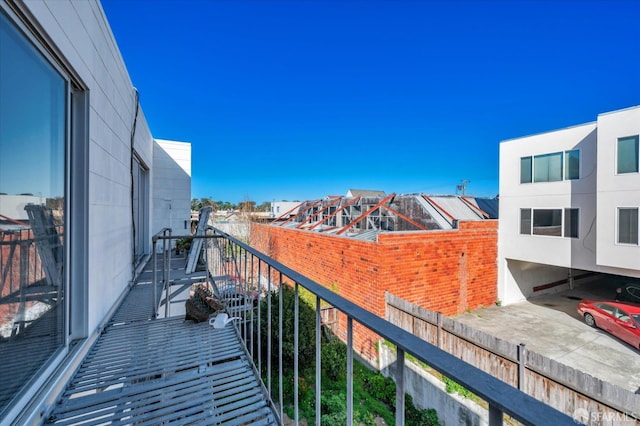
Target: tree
202 202
264 207
248 206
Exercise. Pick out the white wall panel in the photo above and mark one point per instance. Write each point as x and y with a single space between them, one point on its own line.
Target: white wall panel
81 33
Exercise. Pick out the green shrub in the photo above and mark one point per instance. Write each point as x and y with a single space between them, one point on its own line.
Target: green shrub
453 387
306 331
382 388
334 360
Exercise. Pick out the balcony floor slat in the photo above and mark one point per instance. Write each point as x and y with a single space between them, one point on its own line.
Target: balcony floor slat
163 371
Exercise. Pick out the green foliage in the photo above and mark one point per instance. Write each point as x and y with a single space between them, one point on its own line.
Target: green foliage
382 388
306 331
453 387
334 355
334 411
373 394
414 416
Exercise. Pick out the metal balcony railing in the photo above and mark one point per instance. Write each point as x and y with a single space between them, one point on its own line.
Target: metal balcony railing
246 279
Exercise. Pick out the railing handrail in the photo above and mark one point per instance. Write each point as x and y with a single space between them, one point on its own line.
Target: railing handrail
500 395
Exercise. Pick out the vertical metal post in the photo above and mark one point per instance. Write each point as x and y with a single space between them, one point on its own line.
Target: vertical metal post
269 331
259 322
206 260
245 294
349 371
495 415
280 381
164 267
400 388
296 313
318 361
439 331
522 351
168 292
254 294
154 312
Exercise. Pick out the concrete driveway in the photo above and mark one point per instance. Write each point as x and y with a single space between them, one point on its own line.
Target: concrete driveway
551 326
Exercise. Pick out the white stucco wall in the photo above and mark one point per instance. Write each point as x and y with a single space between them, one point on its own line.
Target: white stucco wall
171 186
616 190
278 208
526 261
81 34
529 250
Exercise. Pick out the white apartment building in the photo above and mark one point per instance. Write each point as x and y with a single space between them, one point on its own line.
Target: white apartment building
74 139
569 202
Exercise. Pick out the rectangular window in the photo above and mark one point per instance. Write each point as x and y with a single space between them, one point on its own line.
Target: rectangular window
525 221
628 225
33 172
547 222
572 164
628 155
140 211
547 167
525 170
571 223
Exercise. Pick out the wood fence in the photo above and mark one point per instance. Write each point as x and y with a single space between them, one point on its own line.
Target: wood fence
558 385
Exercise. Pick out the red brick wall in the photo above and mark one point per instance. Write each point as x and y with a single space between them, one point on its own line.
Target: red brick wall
447 271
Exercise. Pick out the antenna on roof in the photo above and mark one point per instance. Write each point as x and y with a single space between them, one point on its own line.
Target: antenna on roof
462 187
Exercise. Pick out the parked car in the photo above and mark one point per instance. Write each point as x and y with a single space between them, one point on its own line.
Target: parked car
620 319
629 292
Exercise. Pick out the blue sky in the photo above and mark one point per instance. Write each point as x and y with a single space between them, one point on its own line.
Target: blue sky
295 100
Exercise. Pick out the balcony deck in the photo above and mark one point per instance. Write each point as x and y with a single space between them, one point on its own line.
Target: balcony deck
161 371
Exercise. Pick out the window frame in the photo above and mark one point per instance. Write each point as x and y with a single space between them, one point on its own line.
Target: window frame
618 229
550 155
526 224
636 139
566 164
76 193
553 211
525 230
529 177
566 223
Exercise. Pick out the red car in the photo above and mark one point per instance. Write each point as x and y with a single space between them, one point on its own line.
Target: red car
618 318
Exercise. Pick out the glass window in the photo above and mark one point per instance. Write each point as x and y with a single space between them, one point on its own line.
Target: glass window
571 223
572 164
140 224
547 222
525 170
628 154
547 167
33 135
607 308
628 225
525 221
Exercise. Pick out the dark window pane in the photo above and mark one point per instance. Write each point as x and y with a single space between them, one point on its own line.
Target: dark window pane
571 223
628 154
547 222
628 226
572 165
525 170
525 221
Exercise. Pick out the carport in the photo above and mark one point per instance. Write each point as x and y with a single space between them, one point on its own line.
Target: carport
551 326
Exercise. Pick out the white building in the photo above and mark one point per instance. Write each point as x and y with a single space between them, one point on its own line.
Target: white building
73 135
278 208
569 204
